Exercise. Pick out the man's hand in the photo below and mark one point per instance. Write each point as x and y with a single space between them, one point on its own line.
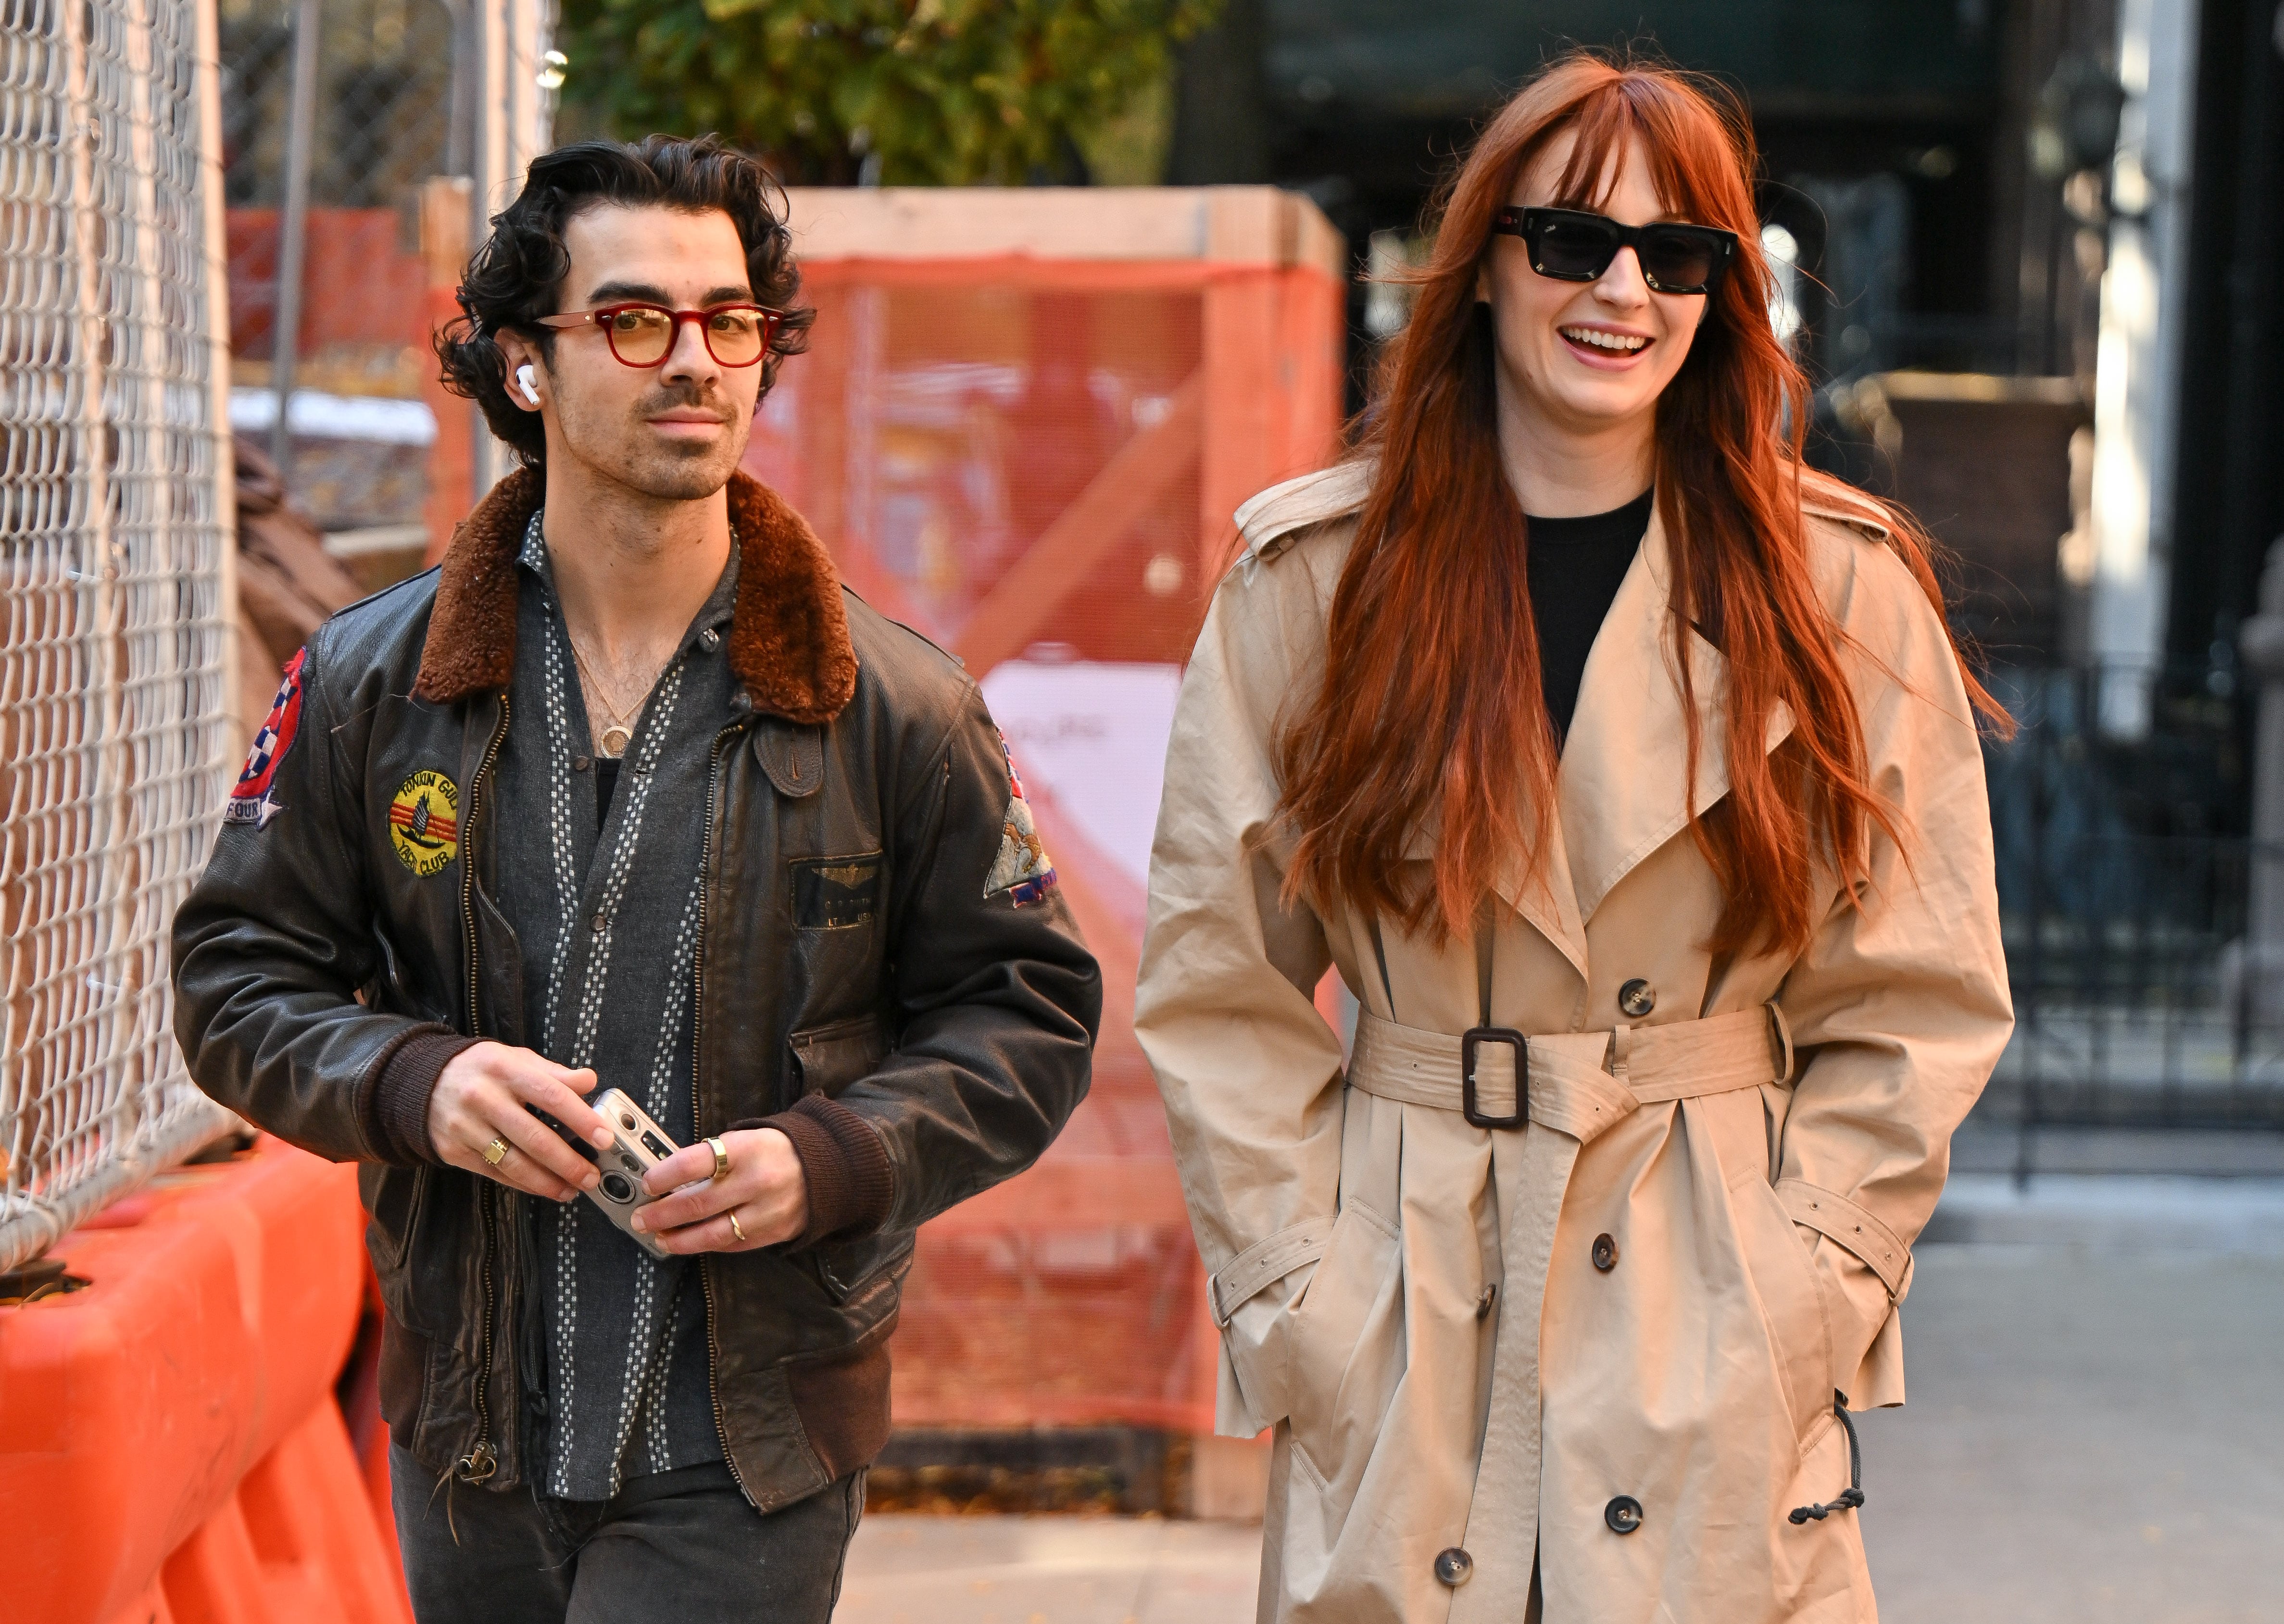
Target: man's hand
764 1187
486 1094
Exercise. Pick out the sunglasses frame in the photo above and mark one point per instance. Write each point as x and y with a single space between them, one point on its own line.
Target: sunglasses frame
1511 222
600 317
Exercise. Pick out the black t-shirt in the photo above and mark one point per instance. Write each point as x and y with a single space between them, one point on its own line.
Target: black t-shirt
1576 565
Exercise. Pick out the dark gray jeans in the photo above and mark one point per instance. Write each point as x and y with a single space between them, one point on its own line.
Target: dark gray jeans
681 1545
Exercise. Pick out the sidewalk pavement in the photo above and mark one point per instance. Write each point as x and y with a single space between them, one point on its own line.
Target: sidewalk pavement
908 1569
2094 1437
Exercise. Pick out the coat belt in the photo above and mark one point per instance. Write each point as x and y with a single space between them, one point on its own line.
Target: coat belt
1580 1082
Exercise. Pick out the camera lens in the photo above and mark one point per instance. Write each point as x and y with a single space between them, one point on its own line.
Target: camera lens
615 1186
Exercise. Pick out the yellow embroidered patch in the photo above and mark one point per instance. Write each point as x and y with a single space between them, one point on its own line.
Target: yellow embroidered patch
424 822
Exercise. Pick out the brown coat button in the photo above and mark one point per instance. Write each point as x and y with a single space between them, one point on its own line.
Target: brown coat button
1454 1567
1638 997
1624 1514
1605 1253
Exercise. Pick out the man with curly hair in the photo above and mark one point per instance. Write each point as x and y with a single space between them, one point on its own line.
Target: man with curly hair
631 793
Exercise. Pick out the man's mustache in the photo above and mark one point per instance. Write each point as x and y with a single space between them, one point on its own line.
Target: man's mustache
686 399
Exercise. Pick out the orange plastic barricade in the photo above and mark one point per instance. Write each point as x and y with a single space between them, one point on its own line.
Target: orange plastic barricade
170 1450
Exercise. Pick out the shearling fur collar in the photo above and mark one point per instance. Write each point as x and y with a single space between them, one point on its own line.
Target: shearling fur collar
788 631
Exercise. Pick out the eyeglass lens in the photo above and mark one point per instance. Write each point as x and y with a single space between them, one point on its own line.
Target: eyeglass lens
1584 248
642 335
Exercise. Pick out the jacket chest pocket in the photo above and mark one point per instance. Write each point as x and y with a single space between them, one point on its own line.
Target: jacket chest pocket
836 905
836 894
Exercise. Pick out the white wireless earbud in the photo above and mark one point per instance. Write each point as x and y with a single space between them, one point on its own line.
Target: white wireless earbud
523 377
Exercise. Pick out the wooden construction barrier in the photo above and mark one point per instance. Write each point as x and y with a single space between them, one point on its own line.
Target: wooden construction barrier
170 1449
1023 422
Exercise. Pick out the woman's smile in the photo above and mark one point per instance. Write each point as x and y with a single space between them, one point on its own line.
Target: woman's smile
1605 348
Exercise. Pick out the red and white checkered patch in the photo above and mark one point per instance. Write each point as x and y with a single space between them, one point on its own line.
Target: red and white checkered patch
250 801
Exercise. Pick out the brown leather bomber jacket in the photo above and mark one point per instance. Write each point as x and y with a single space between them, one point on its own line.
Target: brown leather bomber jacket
929 1043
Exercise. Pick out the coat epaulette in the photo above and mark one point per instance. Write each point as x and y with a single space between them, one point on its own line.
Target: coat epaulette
1270 519
1824 496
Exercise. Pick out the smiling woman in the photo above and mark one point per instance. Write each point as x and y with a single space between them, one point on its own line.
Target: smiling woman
1627 773
1543 373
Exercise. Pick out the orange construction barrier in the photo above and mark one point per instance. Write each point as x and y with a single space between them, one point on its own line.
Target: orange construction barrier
170 1449
1024 419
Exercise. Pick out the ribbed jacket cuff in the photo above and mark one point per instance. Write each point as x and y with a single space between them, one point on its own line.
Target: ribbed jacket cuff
399 1108
850 1184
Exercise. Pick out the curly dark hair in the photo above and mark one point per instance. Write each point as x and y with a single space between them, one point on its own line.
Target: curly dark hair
516 275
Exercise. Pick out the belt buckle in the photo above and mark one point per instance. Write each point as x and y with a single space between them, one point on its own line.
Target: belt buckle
1469 1041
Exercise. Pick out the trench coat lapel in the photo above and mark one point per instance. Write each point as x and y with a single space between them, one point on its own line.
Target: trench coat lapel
1622 787
1542 899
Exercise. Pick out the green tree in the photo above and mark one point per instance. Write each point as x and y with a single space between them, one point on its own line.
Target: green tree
907 92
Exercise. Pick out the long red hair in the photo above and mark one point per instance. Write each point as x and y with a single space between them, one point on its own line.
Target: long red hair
1430 714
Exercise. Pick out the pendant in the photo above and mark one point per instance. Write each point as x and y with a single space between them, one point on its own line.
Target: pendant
615 740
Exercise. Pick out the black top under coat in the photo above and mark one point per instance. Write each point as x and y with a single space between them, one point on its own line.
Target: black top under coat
1576 566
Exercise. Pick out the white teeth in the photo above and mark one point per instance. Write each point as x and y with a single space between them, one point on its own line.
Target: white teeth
1619 342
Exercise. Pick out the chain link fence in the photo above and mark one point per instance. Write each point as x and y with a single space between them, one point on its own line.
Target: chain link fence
360 431
115 746
384 100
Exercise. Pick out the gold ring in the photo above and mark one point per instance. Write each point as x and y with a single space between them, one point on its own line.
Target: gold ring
496 1152
720 1159
734 1228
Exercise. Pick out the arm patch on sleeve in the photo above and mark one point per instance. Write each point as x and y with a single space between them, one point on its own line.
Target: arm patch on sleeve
250 801
1023 869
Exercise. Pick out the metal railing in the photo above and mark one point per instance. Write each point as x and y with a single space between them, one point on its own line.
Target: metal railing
2125 889
2138 1002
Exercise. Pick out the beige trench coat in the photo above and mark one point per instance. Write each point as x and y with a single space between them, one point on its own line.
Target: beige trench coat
1486 1340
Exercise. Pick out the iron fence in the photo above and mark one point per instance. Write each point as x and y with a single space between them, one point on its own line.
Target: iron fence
2125 882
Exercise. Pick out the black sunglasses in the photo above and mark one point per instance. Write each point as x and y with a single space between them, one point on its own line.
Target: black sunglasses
1572 246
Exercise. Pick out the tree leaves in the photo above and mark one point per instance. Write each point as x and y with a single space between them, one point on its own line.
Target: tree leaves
908 92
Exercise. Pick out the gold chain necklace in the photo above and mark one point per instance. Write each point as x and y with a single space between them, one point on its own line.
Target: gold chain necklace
619 732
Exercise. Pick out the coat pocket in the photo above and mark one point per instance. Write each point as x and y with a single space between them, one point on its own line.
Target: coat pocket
1791 1303
844 1268
393 1198
1347 1342
826 1059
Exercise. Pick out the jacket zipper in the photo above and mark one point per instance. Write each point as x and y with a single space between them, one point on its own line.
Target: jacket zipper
482 1459
697 1033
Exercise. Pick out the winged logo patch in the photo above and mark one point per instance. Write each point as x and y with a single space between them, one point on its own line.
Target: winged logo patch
1023 869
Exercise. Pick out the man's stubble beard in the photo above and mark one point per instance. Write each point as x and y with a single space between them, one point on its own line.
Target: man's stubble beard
629 453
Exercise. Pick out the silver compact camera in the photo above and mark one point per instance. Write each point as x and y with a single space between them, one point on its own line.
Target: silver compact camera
637 1144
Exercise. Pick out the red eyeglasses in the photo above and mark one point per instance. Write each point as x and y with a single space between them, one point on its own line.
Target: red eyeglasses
643 335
